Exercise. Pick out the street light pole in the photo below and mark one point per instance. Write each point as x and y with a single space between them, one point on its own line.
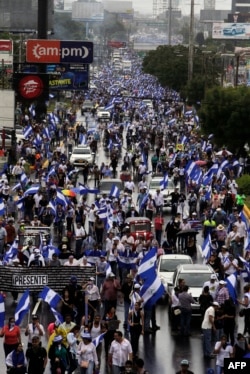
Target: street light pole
169 22
191 43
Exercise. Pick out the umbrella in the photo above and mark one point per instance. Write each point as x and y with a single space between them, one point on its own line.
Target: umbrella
69 193
187 232
201 162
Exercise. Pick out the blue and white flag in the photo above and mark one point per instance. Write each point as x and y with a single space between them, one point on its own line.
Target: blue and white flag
231 286
164 182
22 307
172 161
172 121
206 247
188 113
143 202
32 190
98 339
82 139
50 296
57 315
148 263
24 179
245 272
208 193
152 290
114 192
102 213
51 172
190 167
17 186
37 142
2 311
52 208
27 131
61 199
108 269
85 190
11 253
127 260
46 132
184 139
2 207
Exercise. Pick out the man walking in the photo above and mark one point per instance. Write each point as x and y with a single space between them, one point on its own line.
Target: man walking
36 356
207 326
120 351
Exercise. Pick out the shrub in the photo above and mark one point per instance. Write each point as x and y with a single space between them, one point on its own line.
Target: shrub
244 184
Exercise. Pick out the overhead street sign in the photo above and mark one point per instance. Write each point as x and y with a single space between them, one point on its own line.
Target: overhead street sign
59 51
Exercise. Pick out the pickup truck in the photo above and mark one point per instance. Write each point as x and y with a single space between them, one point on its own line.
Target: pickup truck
86 106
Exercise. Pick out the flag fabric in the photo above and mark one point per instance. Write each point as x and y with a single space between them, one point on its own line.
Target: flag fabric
18 185
114 192
96 341
148 263
164 182
61 199
2 207
11 253
245 272
57 315
22 307
206 247
24 179
231 286
52 208
27 131
32 190
127 260
85 190
152 290
108 269
190 167
2 311
50 296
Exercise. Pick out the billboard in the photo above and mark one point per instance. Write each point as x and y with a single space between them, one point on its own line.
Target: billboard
6 55
239 17
56 51
231 31
87 11
31 86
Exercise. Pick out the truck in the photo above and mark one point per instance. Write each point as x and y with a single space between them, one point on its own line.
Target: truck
126 66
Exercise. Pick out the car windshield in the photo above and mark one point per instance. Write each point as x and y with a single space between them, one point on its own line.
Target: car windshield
195 279
81 151
142 226
169 265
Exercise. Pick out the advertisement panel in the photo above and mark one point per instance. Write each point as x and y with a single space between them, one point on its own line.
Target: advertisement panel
59 51
6 55
231 31
239 17
116 44
31 86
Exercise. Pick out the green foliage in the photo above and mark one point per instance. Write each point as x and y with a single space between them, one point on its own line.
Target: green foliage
244 184
225 112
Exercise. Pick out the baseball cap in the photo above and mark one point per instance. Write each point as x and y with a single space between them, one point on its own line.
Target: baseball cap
222 282
215 303
86 335
34 316
137 285
185 362
213 276
57 339
116 238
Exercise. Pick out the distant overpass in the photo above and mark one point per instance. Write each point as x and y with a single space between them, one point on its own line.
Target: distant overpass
140 46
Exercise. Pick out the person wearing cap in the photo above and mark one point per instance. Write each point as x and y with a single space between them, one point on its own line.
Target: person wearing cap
36 356
109 292
120 351
36 259
222 293
207 327
58 355
212 285
184 364
34 328
87 356
221 235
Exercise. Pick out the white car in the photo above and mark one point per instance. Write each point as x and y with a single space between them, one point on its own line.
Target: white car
167 265
154 185
80 155
102 114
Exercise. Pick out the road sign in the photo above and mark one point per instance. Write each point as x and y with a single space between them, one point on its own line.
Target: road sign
59 51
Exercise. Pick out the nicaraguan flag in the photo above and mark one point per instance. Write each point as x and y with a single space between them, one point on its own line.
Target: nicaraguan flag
24 179
11 253
231 286
57 315
2 207
184 139
50 296
27 131
208 193
206 247
152 290
22 307
172 162
61 199
103 212
110 145
32 190
2 311
114 192
37 142
189 113
50 173
190 167
18 185
143 201
82 138
98 339
148 263
172 121
85 190
46 132
244 219
245 273
127 260
164 182
108 269
52 208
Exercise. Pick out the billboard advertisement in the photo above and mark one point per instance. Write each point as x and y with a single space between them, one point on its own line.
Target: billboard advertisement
87 11
31 86
59 51
6 55
231 31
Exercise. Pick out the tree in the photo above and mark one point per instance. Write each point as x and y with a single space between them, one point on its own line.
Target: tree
225 112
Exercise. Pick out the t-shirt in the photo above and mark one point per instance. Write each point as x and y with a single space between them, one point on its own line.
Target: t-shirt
224 353
206 324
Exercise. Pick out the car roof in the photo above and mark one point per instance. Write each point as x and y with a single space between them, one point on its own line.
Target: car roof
175 256
194 268
137 219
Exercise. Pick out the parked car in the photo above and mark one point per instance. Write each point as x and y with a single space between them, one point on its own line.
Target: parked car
154 185
195 275
235 28
139 226
81 154
166 268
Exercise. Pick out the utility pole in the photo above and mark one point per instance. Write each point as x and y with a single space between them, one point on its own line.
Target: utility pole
42 33
191 43
169 22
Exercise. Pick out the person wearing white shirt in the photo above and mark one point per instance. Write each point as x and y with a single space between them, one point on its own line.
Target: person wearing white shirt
120 351
231 265
129 187
71 261
92 217
241 228
223 350
159 201
212 284
80 234
34 329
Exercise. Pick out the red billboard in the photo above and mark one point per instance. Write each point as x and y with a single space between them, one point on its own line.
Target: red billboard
31 86
116 44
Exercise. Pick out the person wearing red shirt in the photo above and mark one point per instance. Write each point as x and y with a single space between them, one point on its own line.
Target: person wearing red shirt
12 336
158 224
